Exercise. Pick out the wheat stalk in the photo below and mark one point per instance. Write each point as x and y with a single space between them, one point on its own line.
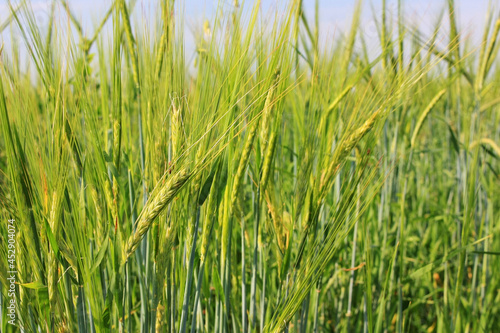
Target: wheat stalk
55 225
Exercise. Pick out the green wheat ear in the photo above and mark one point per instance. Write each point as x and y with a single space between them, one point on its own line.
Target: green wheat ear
154 207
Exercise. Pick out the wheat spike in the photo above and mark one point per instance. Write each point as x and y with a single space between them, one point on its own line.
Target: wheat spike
154 207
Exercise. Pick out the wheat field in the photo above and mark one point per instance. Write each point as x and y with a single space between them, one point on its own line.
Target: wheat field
276 183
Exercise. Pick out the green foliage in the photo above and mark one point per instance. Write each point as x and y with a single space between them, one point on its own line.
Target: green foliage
277 184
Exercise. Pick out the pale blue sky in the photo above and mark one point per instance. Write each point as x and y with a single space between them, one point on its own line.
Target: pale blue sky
335 15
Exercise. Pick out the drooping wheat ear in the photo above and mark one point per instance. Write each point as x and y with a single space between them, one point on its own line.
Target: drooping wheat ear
486 141
154 207
354 138
346 146
175 130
